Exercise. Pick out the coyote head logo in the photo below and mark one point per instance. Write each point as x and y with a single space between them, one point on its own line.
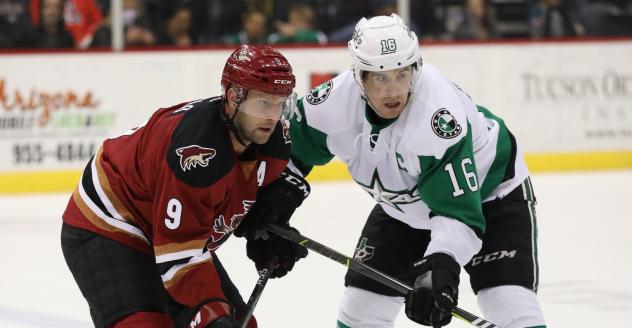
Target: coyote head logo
286 132
224 226
194 155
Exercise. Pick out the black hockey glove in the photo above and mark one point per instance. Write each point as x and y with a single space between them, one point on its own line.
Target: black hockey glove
436 283
275 204
275 253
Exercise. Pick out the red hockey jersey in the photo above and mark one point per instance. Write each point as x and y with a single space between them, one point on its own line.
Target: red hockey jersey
175 189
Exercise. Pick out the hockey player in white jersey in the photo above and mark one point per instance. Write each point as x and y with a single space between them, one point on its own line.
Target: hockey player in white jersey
451 186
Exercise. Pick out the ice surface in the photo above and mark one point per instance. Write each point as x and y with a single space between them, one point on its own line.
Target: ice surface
585 222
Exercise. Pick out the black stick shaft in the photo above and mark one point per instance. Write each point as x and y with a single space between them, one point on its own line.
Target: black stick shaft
264 275
367 271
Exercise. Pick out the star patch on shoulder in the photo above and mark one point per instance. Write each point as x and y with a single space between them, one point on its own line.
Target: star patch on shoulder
445 125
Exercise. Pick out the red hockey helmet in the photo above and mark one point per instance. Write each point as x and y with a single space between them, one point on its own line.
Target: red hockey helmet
258 67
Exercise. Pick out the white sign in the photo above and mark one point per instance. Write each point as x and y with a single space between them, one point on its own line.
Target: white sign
55 109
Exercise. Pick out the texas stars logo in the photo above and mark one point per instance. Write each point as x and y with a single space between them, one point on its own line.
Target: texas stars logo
357 37
445 125
392 198
320 93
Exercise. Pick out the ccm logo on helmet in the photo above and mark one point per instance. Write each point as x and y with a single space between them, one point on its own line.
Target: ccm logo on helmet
282 82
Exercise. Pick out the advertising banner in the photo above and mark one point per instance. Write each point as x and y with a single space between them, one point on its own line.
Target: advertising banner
566 99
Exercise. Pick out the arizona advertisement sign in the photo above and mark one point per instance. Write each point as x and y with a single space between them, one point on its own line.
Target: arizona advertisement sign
56 109
49 126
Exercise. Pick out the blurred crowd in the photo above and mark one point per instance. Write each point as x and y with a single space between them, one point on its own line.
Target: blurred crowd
86 24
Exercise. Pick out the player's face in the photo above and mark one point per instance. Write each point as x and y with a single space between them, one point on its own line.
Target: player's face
258 115
387 92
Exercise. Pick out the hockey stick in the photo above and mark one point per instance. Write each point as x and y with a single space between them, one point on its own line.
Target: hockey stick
264 275
368 271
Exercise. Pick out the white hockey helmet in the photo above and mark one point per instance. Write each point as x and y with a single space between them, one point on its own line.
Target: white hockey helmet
382 43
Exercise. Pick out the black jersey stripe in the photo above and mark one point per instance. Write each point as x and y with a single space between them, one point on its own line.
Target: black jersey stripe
164 267
510 169
88 187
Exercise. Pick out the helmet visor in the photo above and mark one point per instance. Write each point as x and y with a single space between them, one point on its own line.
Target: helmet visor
269 107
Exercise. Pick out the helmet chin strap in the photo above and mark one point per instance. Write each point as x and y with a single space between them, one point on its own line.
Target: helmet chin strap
241 94
230 124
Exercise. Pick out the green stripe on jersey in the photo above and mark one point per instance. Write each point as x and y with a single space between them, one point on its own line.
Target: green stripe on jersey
341 325
496 174
309 145
449 185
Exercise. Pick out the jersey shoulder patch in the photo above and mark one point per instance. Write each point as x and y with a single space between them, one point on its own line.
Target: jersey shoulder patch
434 126
200 152
320 93
332 106
444 124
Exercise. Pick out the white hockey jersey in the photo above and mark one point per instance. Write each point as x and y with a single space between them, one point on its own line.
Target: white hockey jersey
442 156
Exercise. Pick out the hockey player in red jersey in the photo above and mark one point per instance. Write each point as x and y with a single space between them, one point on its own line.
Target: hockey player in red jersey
154 203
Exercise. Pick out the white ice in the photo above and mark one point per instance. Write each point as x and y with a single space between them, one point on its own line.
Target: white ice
585 222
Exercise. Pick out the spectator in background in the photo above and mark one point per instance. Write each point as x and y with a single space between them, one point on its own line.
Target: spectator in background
177 29
424 20
136 27
475 24
299 28
334 14
211 20
607 17
82 18
14 20
554 19
378 8
50 31
274 10
384 6
253 32
214 20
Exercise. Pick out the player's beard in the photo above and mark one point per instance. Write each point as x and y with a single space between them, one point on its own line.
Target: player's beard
249 128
